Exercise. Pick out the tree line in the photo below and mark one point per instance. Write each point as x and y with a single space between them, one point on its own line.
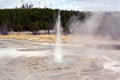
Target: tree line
34 19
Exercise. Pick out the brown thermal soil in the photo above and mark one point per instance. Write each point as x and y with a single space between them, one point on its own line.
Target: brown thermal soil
51 38
38 38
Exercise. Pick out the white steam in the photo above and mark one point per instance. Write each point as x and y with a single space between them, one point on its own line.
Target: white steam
99 23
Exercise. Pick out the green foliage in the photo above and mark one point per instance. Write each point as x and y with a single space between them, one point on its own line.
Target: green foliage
35 19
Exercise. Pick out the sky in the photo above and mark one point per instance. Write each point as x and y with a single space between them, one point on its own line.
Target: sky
81 5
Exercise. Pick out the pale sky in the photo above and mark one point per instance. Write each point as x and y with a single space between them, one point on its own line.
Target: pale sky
91 5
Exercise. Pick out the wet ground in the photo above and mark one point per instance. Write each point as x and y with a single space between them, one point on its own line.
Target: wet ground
27 60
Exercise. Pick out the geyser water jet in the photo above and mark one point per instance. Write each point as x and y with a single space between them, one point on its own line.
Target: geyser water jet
58 57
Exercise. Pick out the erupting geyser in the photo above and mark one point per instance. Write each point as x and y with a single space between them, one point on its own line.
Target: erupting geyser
58 49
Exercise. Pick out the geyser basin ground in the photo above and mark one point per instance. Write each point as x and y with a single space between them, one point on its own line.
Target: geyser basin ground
26 60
